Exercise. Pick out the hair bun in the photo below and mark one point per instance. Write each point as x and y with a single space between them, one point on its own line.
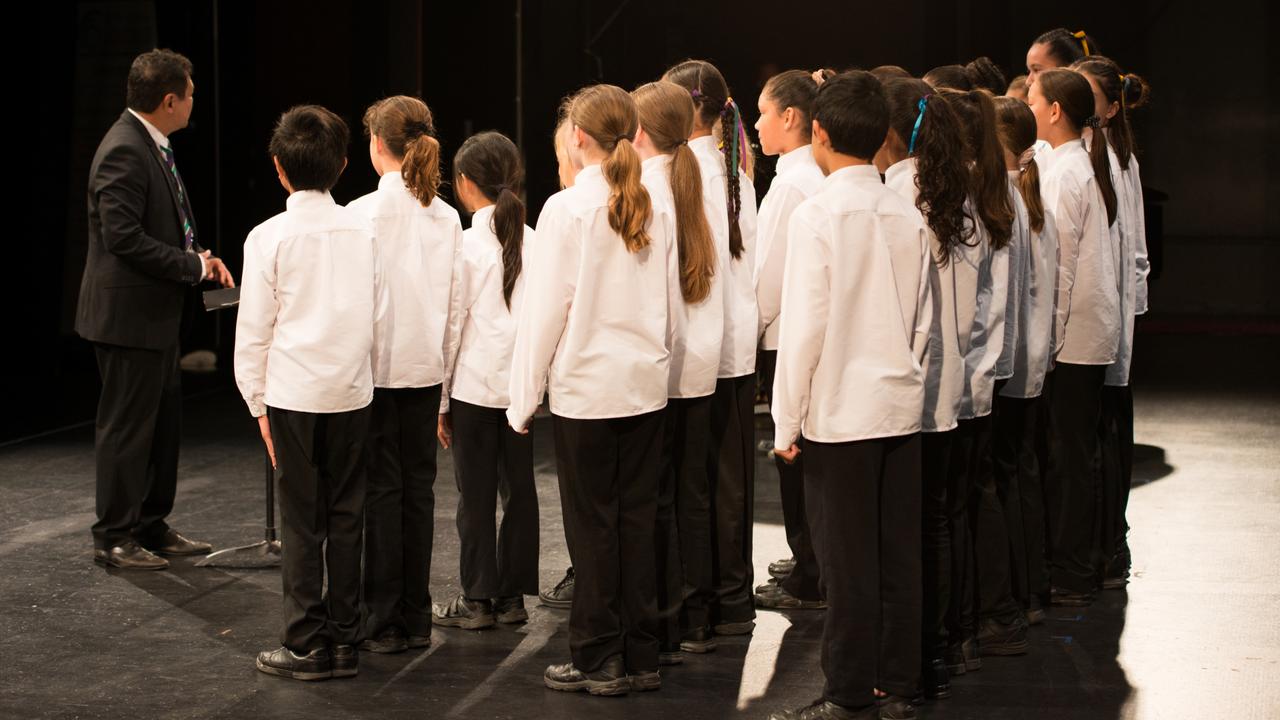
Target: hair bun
1134 91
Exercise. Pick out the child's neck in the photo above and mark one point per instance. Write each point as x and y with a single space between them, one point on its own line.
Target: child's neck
1059 137
837 161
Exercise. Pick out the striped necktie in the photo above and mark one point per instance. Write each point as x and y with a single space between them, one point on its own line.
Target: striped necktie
188 233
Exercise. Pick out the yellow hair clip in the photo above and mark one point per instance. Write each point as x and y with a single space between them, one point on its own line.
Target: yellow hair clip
1084 43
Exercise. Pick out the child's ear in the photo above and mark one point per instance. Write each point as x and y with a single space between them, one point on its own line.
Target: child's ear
1055 113
820 136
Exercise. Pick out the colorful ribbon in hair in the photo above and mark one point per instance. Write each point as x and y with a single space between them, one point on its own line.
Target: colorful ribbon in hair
736 148
924 101
1084 41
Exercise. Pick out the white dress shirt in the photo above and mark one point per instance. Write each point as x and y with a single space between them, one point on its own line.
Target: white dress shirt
798 178
312 305
855 316
698 329
421 249
1019 269
1087 325
1129 236
982 343
1137 210
482 370
741 324
1032 356
943 363
595 327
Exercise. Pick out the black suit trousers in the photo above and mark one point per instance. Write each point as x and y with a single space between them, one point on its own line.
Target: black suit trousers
136 438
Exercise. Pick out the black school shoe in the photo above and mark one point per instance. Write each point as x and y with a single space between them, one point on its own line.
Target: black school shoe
1035 611
896 707
736 628
997 638
780 569
390 641
611 679
463 613
823 710
964 657
1061 597
644 680
283 662
935 681
776 597
346 661
699 640
560 596
510 610
670 654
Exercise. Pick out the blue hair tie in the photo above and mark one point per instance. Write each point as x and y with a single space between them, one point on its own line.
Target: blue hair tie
911 148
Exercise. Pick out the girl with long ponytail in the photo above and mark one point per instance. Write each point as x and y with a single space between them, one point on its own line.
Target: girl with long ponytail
731 210
924 160
1017 474
1077 190
419 240
489 459
595 332
1115 94
785 128
674 181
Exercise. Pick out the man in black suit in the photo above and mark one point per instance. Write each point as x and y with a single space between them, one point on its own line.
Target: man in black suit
142 257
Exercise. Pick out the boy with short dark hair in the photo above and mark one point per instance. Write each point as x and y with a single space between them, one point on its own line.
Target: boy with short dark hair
311 302
856 310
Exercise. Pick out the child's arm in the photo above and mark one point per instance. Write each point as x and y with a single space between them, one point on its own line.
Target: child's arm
255 323
453 324
548 294
379 362
806 289
771 252
924 302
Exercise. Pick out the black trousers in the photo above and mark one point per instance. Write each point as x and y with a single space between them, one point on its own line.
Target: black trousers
865 517
959 618
1115 450
682 538
1070 492
732 482
491 460
136 439
608 473
990 532
321 461
803 580
935 541
400 510
1017 475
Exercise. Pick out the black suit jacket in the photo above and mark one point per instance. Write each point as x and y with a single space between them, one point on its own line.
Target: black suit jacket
137 272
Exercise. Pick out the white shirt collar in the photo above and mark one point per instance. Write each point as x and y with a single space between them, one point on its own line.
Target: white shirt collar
304 198
855 172
480 218
790 160
160 139
391 179
902 166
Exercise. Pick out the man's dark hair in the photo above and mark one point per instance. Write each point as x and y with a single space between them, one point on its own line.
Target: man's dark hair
311 144
153 75
852 109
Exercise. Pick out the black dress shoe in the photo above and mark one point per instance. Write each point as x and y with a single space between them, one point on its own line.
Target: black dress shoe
896 707
670 654
1061 597
389 641
824 710
419 641
782 568
997 638
935 681
346 661
963 657
283 662
610 679
776 597
745 627
510 610
129 555
560 596
699 640
644 680
1035 611
463 612
174 544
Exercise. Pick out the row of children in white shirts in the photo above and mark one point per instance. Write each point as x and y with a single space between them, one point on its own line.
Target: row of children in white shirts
606 289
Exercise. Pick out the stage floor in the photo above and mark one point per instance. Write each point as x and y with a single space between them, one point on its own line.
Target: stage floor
1194 635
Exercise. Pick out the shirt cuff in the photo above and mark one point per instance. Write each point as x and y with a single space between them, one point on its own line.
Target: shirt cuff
256 407
203 270
783 439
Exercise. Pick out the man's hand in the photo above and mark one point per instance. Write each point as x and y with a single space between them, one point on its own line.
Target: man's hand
444 430
789 455
264 427
214 269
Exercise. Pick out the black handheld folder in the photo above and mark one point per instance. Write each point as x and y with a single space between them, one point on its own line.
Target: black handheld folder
221 299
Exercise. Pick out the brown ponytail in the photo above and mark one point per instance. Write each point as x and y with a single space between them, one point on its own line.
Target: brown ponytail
492 162
715 107
1127 91
1017 128
990 181
404 124
608 114
666 114
1071 91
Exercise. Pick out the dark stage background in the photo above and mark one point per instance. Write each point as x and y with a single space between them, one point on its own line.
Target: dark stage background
1209 139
